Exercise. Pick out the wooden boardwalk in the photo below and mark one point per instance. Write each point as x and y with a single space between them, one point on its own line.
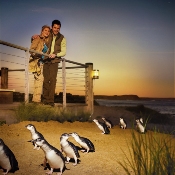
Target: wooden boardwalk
9 106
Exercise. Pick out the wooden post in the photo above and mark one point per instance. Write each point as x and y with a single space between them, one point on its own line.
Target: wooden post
27 77
4 78
64 81
89 98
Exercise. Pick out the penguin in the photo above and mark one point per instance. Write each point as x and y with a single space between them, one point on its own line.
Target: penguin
107 122
141 120
35 134
122 123
140 127
8 161
102 127
69 148
54 157
83 142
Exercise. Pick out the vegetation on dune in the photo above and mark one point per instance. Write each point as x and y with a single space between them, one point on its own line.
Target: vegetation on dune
2 122
150 154
32 112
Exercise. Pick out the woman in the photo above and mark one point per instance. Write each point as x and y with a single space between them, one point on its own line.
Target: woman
40 44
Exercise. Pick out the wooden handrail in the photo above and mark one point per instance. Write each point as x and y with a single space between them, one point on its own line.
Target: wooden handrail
34 51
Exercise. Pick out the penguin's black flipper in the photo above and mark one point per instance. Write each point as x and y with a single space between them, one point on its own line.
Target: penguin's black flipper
107 131
78 148
89 143
32 141
75 149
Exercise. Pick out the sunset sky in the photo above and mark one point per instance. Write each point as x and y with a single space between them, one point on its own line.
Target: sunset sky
131 42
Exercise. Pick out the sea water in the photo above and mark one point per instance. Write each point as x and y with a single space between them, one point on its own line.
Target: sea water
164 106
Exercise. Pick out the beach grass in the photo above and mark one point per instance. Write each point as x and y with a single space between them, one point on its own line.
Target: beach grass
150 154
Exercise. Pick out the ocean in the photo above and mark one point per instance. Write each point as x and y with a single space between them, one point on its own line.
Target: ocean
164 106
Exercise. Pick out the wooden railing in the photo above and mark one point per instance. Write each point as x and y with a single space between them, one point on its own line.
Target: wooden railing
88 75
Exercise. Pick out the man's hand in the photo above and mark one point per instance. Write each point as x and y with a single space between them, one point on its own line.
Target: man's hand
52 55
35 36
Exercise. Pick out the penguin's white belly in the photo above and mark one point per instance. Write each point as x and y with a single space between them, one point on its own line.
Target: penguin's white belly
69 151
55 161
108 124
84 145
4 161
35 136
141 128
101 128
123 124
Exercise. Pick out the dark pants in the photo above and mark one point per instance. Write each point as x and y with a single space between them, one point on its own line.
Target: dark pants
50 71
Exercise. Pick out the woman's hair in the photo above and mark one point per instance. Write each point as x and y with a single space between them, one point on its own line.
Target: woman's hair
46 40
43 27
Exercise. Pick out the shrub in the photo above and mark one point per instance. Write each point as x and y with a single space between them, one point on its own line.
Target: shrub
2 122
32 112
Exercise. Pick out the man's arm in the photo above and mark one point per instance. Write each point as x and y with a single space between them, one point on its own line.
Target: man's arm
34 37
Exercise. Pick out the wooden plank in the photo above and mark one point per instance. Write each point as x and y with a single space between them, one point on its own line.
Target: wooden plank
10 90
6 97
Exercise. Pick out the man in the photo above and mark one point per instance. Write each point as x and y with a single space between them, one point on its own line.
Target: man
50 68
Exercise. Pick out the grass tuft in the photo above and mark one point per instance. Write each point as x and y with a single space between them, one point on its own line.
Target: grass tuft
150 154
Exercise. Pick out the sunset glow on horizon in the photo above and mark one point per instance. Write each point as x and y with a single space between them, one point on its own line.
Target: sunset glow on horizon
131 43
